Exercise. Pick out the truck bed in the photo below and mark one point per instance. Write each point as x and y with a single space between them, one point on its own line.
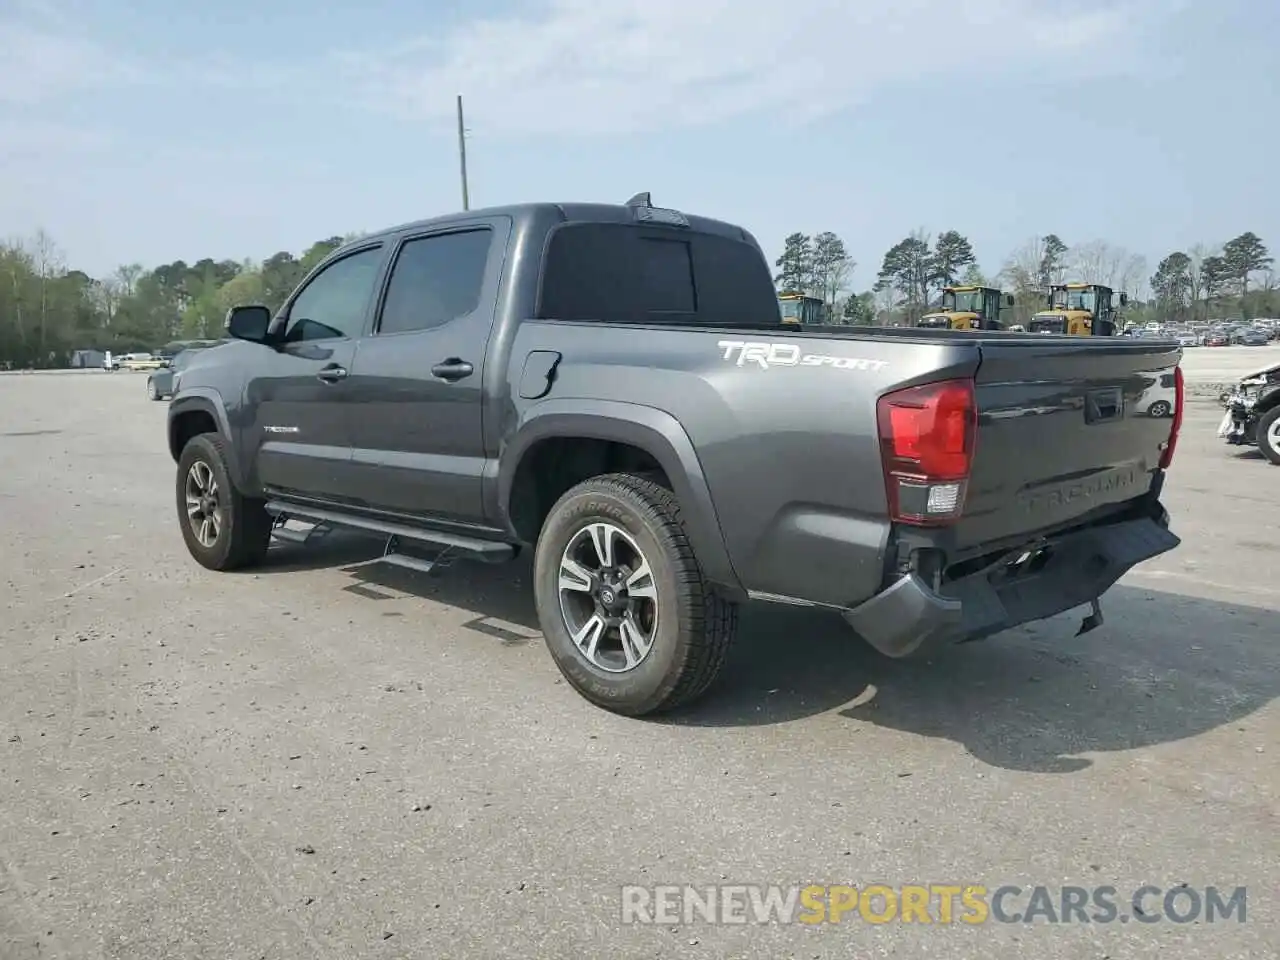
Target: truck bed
784 424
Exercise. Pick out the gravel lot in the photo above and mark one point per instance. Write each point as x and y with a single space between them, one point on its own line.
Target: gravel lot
312 761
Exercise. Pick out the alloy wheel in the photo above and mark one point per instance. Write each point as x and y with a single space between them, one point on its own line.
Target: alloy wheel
1273 434
608 597
204 505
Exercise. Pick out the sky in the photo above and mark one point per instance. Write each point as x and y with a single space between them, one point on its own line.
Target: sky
145 131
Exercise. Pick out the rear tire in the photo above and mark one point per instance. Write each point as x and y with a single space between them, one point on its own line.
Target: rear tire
223 530
1268 434
1160 409
666 642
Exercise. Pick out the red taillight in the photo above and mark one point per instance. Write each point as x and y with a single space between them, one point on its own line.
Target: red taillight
1171 444
927 436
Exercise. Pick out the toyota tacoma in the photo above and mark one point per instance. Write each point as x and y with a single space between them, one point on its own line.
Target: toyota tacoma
612 388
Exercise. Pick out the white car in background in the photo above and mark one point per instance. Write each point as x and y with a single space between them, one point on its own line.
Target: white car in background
1158 400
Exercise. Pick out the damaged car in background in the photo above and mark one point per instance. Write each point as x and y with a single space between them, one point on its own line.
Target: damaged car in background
1253 413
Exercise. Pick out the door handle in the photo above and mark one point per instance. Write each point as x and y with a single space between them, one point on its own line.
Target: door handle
452 369
332 374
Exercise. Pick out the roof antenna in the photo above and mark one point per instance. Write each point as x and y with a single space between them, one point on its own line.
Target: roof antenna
640 200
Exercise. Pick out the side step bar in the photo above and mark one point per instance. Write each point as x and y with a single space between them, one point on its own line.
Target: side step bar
281 532
487 551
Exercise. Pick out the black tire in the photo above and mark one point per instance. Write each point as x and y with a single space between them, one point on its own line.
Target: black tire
1160 409
694 627
152 392
1268 434
244 528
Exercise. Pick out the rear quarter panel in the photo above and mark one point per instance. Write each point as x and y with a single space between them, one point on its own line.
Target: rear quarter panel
787 445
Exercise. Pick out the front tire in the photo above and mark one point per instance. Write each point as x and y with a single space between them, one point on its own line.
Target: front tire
223 530
152 392
628 616
1268 434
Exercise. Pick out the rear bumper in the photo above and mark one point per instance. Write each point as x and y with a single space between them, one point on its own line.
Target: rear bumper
1080 566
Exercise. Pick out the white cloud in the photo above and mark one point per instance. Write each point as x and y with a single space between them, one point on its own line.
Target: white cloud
42 61
27 139
626 65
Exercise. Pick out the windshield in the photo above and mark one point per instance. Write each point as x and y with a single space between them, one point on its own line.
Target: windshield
1048 324
1082 299
962 301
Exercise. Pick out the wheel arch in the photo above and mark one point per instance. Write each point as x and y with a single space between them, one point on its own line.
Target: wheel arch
1269 398
201 411
615 436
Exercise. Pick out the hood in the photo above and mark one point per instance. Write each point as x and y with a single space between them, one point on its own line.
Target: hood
1263 373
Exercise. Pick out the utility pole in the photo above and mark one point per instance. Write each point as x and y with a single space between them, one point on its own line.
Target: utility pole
462 156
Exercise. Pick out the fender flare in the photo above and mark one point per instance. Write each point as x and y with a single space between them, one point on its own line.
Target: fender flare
657 433
1268 397
204 400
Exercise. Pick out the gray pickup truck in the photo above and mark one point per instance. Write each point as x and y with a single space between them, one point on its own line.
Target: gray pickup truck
612 387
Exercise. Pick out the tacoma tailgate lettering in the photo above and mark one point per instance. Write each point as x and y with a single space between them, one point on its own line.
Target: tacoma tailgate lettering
1109 482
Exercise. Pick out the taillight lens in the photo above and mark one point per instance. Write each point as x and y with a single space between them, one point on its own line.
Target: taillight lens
927 436
1171 444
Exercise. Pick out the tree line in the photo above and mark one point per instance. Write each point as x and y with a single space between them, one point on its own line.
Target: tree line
48 309
1233 279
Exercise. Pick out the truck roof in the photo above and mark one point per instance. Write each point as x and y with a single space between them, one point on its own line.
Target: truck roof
526 214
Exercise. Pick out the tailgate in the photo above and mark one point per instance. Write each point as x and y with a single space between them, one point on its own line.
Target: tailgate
1067 430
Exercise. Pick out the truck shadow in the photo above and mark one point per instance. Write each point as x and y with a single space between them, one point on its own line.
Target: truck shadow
499 595
1162 668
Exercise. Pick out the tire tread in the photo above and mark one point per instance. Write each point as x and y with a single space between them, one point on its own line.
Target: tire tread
251 525
714 619
1264 424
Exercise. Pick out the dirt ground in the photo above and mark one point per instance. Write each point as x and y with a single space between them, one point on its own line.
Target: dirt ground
314 760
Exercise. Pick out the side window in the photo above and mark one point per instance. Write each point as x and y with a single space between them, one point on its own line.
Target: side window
435 280
333 304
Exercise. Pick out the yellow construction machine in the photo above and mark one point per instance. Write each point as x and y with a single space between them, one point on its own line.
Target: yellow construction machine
968 308
1080 310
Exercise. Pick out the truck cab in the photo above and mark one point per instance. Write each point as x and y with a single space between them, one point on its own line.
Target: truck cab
968 308
1080 310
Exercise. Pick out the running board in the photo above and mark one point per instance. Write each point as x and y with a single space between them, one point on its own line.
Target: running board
411 563
281 532
487 551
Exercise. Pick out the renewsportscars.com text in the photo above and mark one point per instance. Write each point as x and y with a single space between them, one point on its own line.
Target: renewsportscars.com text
942 903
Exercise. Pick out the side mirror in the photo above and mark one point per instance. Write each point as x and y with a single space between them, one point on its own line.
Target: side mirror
249 323
1008 299
1049 300
1124 299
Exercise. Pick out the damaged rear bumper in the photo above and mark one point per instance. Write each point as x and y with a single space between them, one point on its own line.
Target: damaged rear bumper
1070 570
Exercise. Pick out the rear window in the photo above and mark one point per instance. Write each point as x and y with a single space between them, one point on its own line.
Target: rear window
624 273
